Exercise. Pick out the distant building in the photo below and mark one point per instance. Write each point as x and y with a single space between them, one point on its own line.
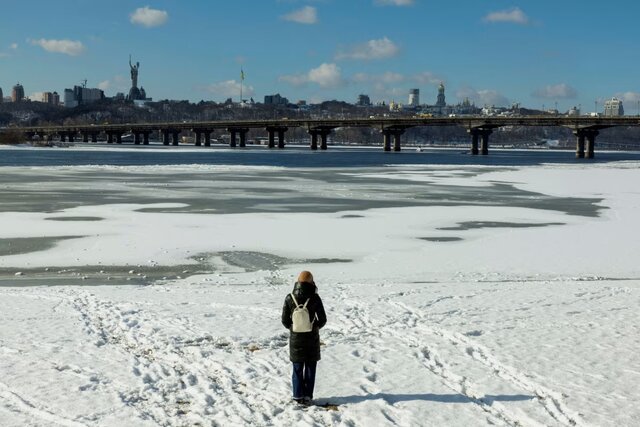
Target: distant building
275 100
414 97
17 94
363 100
51 98
573 111
81 95
613 107
440 101
1 99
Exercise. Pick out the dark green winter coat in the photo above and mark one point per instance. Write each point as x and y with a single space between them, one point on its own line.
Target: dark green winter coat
304 346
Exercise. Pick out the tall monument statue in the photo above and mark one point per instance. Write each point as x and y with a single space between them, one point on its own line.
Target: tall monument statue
135 94
134 73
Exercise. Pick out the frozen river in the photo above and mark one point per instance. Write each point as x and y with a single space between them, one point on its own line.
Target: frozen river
459 290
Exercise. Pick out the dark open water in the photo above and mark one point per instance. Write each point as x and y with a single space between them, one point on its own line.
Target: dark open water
335 157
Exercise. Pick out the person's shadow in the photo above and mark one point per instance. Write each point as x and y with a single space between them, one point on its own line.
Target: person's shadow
430 397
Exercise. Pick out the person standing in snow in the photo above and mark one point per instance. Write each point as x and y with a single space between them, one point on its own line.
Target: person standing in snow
304 347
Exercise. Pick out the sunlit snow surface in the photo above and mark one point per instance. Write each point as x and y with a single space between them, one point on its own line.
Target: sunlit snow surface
457 295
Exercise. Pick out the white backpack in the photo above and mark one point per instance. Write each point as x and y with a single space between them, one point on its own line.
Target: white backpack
300 317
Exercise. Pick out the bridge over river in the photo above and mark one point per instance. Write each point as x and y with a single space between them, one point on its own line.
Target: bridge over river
586 129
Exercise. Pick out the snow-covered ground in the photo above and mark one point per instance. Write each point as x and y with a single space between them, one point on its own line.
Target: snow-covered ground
455 296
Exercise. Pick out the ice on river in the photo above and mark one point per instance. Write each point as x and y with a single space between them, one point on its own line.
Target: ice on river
455 295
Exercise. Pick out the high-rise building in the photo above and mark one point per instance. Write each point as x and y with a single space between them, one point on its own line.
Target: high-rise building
275 100
363 100
440 102
81 95
414 97
1 99
613 107
17 94
51 98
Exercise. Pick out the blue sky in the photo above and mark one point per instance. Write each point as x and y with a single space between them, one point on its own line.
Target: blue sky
542 52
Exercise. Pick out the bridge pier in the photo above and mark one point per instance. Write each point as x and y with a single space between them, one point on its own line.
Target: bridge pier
388 135
207 138
580 146
94 136
235 132
474 143
165 136
271 130
63 136
145 137
590 136
85 136
118 137
396 140
386 141
323 133
136 138
243 137
481 134
198 138
109 137
176 136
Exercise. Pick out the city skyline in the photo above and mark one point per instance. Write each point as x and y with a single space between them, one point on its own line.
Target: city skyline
499 53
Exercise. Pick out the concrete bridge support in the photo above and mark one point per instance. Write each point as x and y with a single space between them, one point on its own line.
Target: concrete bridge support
386 141
388 135
145 137
590 136
198 138
481 134
136 138
272 131
63 136
118 137
85 136
109 137
235 132
323 133
165 136
176 137
272 143
207 138
243 137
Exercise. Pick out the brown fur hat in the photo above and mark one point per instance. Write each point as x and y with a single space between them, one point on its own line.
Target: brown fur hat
305 276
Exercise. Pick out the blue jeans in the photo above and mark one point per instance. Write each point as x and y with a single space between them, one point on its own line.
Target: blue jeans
303 379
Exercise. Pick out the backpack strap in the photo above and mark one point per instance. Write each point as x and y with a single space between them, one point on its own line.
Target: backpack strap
294 300
306 302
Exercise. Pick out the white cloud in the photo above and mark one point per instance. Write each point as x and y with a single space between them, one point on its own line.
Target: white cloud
395 2
387 77
307 15
559 91
482 97
326 75
425 78
13 46
629 96
229 89
36 96
148 17
68 47
514 16
373 49
104 85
